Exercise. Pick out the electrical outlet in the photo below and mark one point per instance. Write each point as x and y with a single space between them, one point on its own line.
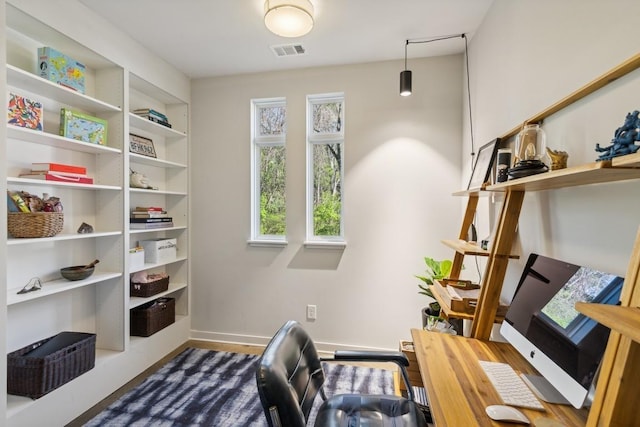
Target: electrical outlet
312 312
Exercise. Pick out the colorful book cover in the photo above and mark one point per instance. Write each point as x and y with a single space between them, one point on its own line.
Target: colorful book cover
83 127
59 68
24 112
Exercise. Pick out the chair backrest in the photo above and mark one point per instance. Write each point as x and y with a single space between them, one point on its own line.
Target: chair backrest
289 376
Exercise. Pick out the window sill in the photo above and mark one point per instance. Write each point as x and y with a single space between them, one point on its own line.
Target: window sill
312 244
268 243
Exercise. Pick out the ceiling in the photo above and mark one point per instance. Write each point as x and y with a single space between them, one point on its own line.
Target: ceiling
205 38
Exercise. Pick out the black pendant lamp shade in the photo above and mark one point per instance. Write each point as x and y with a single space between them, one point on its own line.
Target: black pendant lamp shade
405 83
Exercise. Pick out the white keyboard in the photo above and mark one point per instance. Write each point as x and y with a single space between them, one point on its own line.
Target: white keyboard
511 388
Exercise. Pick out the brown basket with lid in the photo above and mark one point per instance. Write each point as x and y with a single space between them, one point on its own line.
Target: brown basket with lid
34 224
153 316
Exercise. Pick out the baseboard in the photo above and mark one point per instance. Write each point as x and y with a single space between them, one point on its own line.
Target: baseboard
254 340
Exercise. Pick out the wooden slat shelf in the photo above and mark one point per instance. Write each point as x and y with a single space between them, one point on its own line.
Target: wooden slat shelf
468 248
590 173
449 312
625 320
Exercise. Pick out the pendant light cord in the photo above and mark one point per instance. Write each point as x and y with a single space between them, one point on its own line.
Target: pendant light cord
466 55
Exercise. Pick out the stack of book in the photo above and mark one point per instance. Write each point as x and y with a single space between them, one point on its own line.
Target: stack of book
58 172
153 115
149 217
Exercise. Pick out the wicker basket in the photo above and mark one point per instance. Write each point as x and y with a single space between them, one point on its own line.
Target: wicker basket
153 316
34 224
150 288
41 367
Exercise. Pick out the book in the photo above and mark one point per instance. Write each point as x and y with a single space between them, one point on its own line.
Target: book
137 226
141 111
149 215
156 120
162 118
69 174
57 177
58 167
149 220
148 209
83 127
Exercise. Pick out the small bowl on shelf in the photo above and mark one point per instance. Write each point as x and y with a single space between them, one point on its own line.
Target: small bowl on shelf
77 272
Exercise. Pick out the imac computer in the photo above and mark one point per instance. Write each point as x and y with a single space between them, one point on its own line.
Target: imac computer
542 323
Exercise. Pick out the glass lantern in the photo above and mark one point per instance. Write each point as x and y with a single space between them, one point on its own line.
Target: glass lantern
531 144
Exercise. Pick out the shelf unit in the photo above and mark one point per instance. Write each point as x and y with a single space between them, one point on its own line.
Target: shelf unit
620 370
101 303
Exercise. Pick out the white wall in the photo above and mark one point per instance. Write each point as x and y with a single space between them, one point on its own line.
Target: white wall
528 55
402 162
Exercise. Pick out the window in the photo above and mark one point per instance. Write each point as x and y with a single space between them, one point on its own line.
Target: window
268 200
325 158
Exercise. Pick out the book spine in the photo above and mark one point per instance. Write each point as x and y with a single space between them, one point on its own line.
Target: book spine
160 122
151 226
149 220
148 209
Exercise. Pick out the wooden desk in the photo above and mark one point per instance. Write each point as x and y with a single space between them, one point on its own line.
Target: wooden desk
458 389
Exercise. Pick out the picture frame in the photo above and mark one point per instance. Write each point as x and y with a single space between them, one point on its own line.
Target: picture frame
484 165
141 145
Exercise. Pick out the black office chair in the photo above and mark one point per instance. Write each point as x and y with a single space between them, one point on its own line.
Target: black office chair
289 376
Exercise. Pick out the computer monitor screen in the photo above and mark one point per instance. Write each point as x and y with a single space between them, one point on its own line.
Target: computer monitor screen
543 325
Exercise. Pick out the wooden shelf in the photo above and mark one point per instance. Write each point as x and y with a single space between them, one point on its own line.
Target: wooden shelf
590 173
625 320
468 248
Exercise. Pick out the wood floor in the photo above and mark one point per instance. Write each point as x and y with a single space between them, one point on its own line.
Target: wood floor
233 348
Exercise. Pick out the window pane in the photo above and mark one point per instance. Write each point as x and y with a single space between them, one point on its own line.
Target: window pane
272 190
272 120
327 189
327 117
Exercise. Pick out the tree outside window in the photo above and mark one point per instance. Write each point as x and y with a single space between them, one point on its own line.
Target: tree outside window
325 136
268 169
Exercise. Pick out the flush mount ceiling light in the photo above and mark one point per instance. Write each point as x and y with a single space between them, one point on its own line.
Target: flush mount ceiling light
288 18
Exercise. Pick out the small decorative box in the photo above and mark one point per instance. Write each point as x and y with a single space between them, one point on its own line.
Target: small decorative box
159 250
83 127
59 68
24 112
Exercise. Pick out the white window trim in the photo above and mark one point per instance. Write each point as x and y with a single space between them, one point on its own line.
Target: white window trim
257 142
312 241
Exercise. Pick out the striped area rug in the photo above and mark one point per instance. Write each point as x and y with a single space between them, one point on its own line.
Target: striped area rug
215 388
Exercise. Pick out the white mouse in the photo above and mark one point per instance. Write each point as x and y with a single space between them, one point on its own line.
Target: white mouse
506 413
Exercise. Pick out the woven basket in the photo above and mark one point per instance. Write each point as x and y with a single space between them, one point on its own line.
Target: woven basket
150 288
34 224
59 359
153 316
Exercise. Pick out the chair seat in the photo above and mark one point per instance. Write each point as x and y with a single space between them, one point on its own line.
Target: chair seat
348 410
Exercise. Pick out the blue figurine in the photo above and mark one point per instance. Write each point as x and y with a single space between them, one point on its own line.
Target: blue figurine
624 139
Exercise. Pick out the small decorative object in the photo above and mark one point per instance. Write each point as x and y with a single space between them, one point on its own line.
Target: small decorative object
141 145
78 272
624 139
504 163
484 163
558 159
24 112
34 284
139 180
85 228
83 127
531 159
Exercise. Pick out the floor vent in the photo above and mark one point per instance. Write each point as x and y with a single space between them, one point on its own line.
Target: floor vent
289 50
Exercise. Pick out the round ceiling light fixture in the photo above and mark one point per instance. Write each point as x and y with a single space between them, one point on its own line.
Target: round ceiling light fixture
288 18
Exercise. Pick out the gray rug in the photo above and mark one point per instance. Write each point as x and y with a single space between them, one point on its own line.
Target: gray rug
213 388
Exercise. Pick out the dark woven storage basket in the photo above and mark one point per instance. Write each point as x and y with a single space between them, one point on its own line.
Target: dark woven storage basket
149 318
35 376
150 288
34 224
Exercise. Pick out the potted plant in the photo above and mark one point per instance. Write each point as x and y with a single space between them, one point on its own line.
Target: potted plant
435 270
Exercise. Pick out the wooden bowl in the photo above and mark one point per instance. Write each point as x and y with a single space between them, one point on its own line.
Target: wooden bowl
77 272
